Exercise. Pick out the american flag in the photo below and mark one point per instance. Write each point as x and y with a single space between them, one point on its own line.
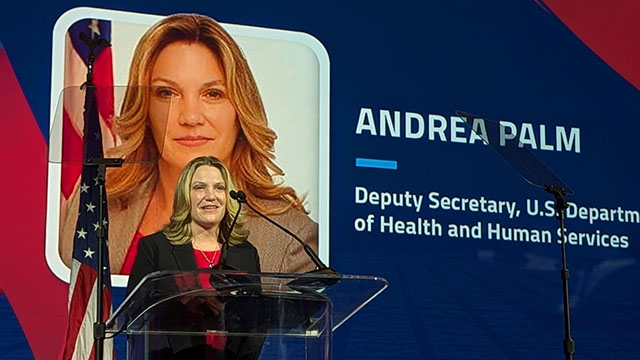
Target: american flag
79 343
75 71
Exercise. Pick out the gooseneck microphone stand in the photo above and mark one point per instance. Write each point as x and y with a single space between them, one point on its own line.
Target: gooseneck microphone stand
99 328
321 268
569 345
223 257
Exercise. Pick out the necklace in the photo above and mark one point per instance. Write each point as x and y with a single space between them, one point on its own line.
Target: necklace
209 261
205 255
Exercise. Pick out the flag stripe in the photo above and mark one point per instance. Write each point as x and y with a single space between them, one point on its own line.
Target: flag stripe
71 156
104 81
84 340
84 344
83 289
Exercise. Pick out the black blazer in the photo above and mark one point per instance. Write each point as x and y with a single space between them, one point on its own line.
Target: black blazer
156 253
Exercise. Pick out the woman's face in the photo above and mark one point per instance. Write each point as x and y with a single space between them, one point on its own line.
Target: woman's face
191 114
208 194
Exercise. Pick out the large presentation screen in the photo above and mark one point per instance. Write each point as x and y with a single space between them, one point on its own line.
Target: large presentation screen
407 141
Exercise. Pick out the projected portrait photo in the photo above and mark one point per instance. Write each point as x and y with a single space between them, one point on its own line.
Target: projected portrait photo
185 87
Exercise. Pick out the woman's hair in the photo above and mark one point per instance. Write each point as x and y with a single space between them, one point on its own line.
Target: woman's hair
252 162
178 231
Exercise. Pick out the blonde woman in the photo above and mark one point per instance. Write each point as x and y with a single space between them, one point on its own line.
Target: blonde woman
202 100
194 238
198 228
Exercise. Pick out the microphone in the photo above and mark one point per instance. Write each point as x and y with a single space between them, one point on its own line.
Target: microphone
234 195
241 198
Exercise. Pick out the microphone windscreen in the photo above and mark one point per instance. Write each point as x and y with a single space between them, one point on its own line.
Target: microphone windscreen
233 194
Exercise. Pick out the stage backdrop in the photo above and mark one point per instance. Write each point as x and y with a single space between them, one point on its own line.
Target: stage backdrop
470 248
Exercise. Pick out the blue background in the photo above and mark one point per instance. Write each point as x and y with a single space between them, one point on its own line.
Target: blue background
448 298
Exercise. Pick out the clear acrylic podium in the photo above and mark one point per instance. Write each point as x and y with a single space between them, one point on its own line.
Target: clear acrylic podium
223 314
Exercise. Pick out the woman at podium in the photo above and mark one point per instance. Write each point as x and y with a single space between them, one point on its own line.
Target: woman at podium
201 231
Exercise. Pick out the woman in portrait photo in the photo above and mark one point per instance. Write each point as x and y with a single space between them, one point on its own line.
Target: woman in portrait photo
191 93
